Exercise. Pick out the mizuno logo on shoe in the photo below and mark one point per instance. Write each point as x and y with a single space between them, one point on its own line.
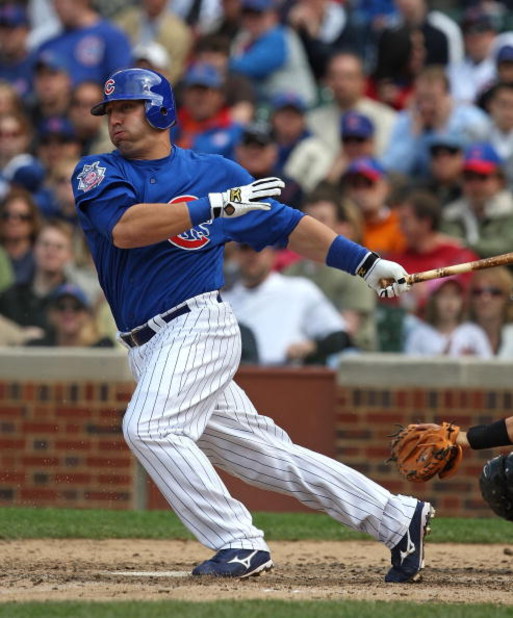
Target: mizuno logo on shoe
246 562
410 548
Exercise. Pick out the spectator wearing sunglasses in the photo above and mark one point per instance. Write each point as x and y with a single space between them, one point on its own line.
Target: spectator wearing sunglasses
19 227
71 321
483 216
491 307
445 168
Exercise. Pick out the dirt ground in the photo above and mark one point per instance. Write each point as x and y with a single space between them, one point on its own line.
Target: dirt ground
38 570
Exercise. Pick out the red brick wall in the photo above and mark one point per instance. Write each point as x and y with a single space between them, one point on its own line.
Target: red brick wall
367 416
61 443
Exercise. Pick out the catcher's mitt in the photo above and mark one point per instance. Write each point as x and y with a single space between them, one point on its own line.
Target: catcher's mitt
496 484
423 450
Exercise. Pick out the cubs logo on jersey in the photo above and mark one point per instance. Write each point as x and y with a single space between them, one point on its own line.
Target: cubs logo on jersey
196 237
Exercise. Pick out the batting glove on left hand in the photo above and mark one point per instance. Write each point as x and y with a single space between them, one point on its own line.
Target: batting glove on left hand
241 200
387 278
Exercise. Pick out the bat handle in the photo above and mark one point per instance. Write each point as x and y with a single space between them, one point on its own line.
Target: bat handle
386 282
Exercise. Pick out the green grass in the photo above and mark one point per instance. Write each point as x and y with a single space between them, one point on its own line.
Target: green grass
250 609
32 523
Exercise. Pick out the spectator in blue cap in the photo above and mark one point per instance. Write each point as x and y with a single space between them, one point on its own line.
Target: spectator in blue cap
271 54
240 92
52 86
205 122
57 141
288 121
357 133
483 216
503 72
16 62
445 167
70 321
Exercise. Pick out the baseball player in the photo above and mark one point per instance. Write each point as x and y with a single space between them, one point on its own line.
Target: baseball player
156 218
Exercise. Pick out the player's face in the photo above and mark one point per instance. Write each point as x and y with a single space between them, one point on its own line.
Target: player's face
129 130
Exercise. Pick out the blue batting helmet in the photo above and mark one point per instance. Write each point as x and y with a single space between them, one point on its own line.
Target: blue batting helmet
141 85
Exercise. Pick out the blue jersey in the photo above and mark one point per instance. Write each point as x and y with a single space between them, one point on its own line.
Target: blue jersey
91 53
143 282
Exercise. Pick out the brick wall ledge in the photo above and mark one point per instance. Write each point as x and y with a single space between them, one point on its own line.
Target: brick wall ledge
396 370
59 364
376 370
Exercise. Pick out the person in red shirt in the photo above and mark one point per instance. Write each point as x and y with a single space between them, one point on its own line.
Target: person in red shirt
419 214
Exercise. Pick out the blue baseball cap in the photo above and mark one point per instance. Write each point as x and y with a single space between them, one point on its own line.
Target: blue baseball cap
259 6
481 158
203 74
366 166
505 54
354 124
57 126
13 15
71 290
451 140
288 99
48 59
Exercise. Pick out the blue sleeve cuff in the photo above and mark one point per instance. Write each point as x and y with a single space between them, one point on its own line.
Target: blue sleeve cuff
345 254
199 210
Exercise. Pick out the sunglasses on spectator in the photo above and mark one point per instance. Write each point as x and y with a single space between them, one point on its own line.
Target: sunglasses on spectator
354 139
437 151
69 305
358 181
19 216
492 291
11 134
472 176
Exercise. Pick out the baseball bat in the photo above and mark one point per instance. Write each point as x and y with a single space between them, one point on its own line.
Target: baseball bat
456 269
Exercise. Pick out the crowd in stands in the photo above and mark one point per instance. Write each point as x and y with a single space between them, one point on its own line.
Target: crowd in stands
391 121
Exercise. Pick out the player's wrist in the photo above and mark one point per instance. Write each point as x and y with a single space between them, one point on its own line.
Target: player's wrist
346 255
200 210
489 436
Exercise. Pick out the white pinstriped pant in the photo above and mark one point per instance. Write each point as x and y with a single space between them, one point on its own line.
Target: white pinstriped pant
188 415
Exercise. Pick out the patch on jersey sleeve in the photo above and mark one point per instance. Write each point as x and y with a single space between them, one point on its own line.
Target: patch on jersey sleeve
90 176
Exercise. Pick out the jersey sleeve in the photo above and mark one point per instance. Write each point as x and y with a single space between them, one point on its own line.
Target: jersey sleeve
259 228
102 193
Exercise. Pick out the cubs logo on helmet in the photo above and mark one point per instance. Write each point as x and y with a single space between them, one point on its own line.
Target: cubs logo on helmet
194 238
110 86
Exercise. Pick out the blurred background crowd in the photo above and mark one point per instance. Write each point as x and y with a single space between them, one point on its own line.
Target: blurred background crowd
390 120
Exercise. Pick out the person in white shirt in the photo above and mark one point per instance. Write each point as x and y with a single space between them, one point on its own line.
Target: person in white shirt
443 332
293 322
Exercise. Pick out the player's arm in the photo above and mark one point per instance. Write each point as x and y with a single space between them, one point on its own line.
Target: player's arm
499 433
146 224
316 241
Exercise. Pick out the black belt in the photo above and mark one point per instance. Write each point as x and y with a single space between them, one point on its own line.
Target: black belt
140 336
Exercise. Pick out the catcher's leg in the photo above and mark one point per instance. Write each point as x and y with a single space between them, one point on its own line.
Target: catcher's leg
253 448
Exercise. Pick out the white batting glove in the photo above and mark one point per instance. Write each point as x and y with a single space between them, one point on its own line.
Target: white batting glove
387 278
241 200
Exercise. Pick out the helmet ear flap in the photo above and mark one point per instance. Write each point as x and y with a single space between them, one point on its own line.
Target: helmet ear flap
160 116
